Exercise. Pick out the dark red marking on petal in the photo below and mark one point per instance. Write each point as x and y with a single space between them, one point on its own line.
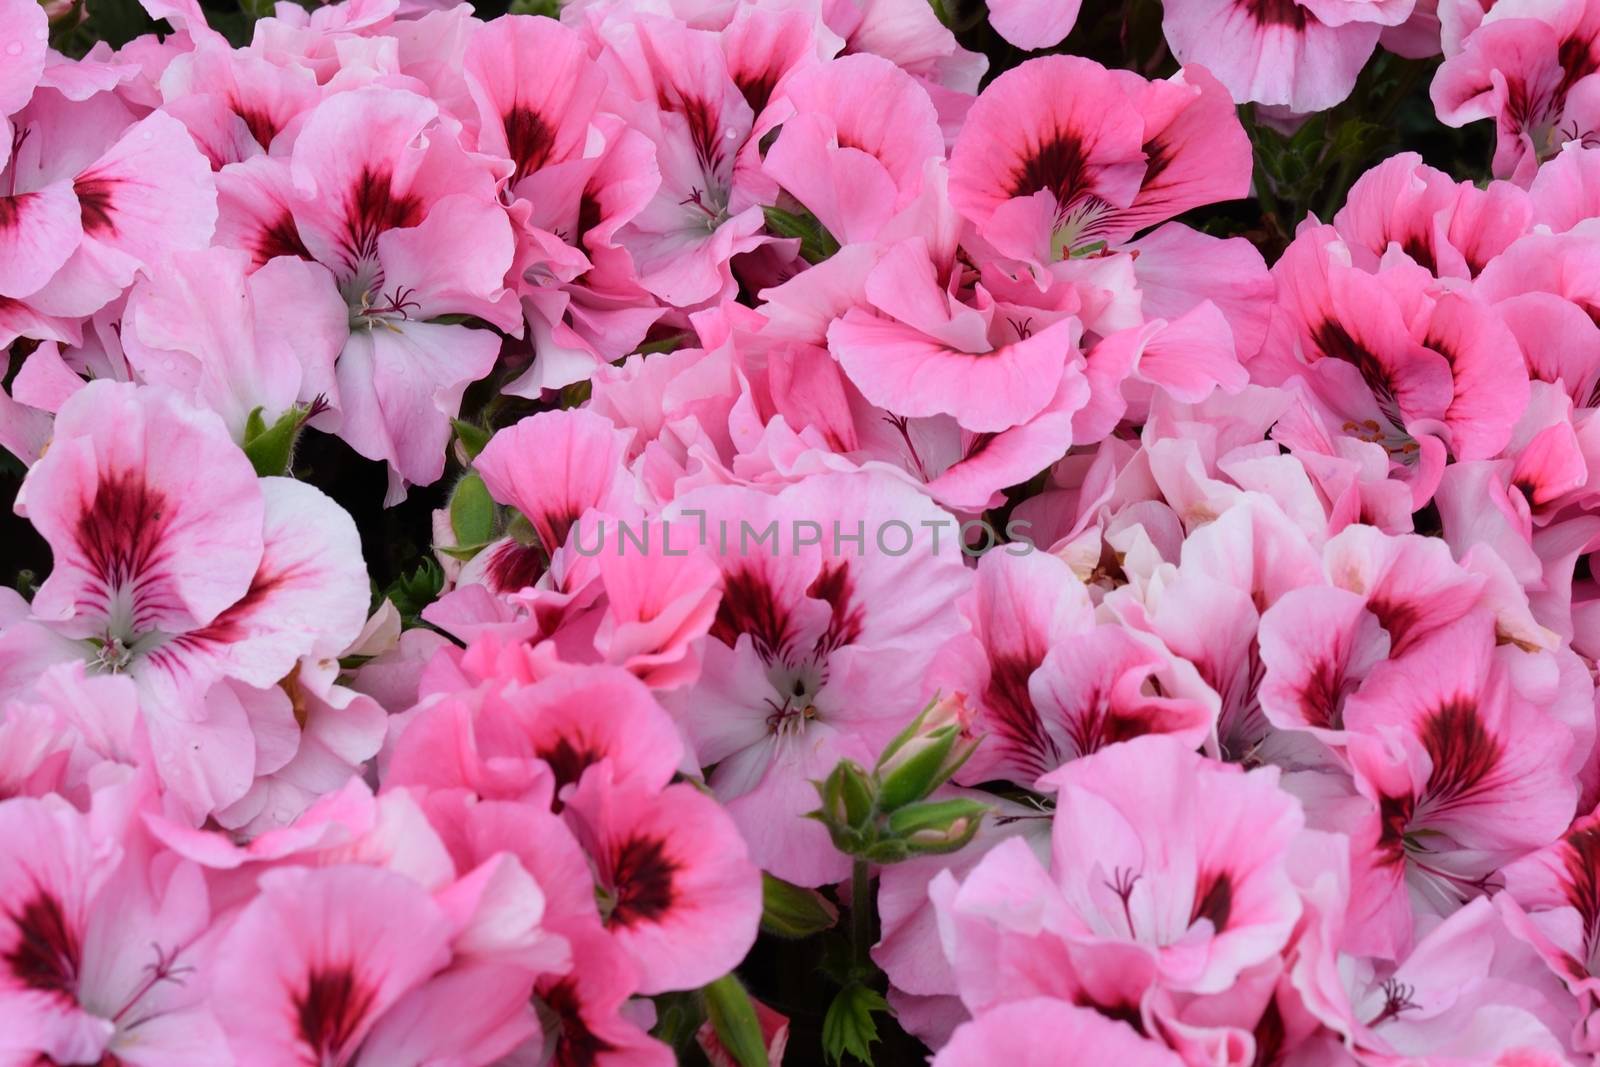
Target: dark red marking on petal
1269 1035
46 954
513 566
576 1044
11 209
1122 1012
529 140
1464 754
371 208
701 118
1097 724
1580 858
555 526
1577 59
331 1008
95 205
1276 13
261 125
1336 342
1158 156
567 762
642 876
1213 900
1322 696
1394 816
749 606
834 585
756 87
589 216
233 624
1399 618
280 238
120 532
1058 165
1012 715
1419 248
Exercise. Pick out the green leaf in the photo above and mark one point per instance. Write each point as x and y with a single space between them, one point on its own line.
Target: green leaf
547 8
816 243
734 1018
472 436
848 1026
271 448
415 591
678 1017
472 512
793 912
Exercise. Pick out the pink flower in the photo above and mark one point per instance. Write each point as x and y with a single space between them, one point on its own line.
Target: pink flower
104 939
820 648
181 576
1299 55
1060 152
406 225
309 973
678 892
1526 66
1033 1033
93 196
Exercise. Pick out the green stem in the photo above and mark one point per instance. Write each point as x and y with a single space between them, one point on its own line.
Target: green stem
861 912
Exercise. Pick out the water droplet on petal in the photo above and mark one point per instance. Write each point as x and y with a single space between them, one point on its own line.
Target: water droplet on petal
14 48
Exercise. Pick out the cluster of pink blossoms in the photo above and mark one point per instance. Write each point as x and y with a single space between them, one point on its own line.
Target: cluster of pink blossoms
1259 599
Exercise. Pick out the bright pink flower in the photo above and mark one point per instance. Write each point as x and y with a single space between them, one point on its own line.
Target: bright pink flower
1528 67
672 84
181 575
1061 152
677 889
534 742
1457 766
310 973
820 649
856 147
235 103
408 228
93 196
1298 55
1035 1032
1138 894
588 450
919 350
1055 686
1453 229
102 937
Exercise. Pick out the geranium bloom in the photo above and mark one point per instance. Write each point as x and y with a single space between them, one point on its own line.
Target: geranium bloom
102 937
1299 55
1136 894
181 576
1061 152
1528 67
379 194
91 196
820 649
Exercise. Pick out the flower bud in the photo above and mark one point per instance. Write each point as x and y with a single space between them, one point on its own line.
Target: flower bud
937 826
791 911
848 797
925 754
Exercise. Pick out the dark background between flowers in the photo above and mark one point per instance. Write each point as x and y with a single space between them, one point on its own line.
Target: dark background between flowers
1310 171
